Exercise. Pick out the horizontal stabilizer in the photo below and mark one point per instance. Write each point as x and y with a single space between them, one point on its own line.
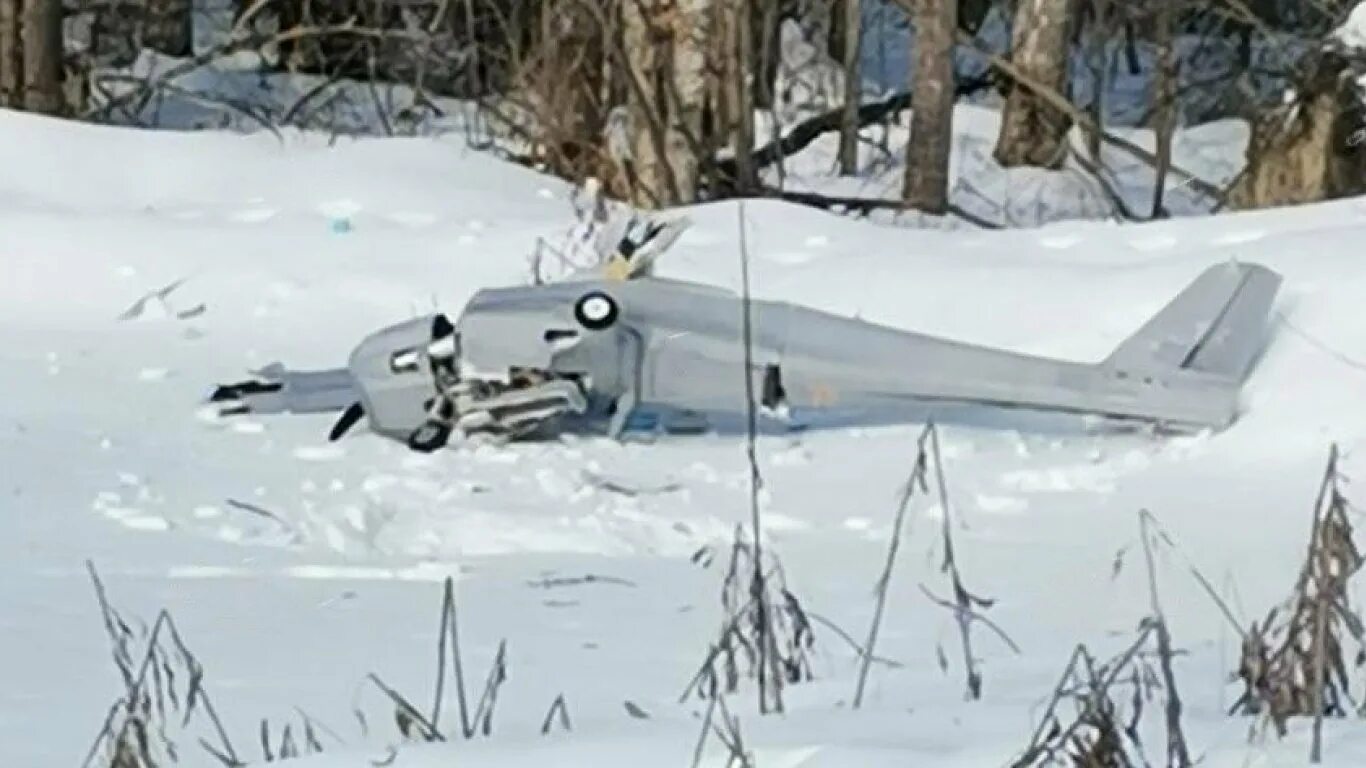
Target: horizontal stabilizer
1217 325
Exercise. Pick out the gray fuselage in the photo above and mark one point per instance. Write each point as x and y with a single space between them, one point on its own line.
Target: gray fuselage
678 347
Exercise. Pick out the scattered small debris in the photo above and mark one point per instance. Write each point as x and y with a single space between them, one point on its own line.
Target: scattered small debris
259 512
158 296
612 486
571 581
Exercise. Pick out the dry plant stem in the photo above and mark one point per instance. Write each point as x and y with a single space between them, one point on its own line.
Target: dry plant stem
706 726
770 680
732 624
732 738
311 723
962 608
121 658
1320 661
135 685
1178 754
1159 533
265 742
973 616
1320 554
483 713
429 731
1295 666
1059 692
450 635
1039 744
559 707
858 649
963 599
917 478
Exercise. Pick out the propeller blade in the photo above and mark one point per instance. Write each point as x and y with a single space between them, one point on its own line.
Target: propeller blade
348 420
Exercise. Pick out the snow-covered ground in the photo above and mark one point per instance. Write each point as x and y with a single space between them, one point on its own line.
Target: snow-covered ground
140 268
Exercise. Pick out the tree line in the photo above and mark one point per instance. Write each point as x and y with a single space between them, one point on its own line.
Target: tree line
669 102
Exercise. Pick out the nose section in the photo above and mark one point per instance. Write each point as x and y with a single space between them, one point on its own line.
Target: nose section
396 369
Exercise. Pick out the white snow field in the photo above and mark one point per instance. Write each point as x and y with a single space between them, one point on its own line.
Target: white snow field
140 268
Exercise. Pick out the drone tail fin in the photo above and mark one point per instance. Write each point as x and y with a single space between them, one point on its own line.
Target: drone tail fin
1216 325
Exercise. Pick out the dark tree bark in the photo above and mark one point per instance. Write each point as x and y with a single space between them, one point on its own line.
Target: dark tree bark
168 27
43 66
972 14
933 90
737 35
1164 93
562 83
853 77
1313 148
764 35
1100 28
1032 132
11 54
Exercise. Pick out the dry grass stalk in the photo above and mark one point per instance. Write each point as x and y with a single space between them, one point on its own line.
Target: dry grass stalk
966 607
770 683
727 732
1104 732
1104 729
1293 663
560 708
916 480
412 723
736 653
1178 754
163 697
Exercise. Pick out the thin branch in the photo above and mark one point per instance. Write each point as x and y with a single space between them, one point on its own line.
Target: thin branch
758 588
1178 754
916 479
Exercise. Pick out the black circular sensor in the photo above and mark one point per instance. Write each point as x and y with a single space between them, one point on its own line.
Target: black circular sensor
596 311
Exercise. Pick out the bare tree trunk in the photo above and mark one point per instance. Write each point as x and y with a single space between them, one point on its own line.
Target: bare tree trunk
169 27
43 67
1164 94
652 185
852 47
972 14
687 80
666 48
1098 61
1311 148
932 96
825 25
1032 132
737 36
764 41
11 55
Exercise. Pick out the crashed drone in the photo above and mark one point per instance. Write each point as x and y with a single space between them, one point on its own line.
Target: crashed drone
623 348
